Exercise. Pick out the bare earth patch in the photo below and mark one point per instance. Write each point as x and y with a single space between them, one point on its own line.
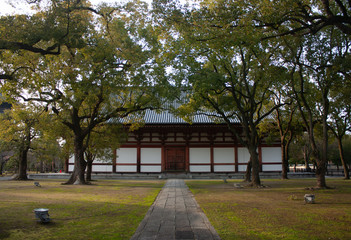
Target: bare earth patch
277 211
108 209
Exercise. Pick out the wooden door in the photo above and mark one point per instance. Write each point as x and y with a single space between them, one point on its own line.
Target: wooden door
175 159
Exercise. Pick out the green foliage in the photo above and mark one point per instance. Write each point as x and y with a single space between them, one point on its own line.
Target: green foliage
19 126
104 71
24 127
227 75
59 23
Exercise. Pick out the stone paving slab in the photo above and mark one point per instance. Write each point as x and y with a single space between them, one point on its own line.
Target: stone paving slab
175 215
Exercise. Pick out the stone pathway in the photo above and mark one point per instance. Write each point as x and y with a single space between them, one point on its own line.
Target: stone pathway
175 215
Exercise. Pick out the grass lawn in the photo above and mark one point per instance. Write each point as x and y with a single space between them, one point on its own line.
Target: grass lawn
277 211
108 209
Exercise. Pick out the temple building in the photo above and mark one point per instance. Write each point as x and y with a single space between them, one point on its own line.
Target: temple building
167 143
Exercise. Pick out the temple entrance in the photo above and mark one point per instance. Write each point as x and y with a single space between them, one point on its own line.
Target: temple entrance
175 159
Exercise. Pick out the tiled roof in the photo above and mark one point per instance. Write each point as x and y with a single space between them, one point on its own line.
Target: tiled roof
166 117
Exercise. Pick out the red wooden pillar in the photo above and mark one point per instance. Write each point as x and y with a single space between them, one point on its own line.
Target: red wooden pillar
187 164
163 162
163 138
212 158
114 160
139 138
211 137
138 157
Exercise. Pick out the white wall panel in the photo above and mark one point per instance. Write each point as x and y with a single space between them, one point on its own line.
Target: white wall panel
199 155
150 155
70 168
272 167
102 168
150 168
224 168
242 168
199 168
243 155
271 154
126 168
127 155
223 155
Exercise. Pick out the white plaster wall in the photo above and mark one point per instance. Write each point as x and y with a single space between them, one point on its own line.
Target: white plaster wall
272 167
242 168
271 154
224 168
243 155
70 168
200 168
126 168
199 155
150 168
223 155
102 168
127 155
150 155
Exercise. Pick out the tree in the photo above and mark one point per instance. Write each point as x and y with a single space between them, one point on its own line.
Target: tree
47 154
313 64
45 32
325 28
5 155
284 119
105 79
300 151
302 17
100 144
19 127
340 118
228 75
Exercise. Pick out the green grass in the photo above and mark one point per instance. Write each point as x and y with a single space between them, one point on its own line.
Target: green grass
108 209
277 211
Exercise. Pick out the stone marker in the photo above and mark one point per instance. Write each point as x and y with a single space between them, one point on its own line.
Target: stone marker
309 198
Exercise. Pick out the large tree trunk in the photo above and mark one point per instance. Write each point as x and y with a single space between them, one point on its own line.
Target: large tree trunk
342 158
89 159
255 181
89 171
285 163
306 158
22 168
77 176
320 174
322 162
42 167
248 171
320 170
